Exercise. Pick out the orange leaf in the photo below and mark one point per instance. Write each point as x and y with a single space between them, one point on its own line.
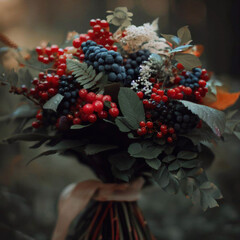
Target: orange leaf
196 50
224 99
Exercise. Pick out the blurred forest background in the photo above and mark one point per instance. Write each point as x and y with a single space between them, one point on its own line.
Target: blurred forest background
28 194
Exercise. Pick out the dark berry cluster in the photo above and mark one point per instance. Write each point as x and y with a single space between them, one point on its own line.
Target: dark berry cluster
103 60
132 65
68 87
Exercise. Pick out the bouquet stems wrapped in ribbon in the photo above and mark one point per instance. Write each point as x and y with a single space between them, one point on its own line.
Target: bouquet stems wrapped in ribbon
134 106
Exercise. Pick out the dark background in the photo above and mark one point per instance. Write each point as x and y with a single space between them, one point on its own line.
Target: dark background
28 194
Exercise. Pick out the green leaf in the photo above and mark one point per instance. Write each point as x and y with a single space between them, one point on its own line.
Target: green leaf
121 160
190 164
161 176
122 124
92 149
187 155
174 165
131 107
146 150
173 185
154 163
122 175
198 135
80 126
172 39
180 48
215 119
189 61
168 158
53 102
209 193
60 147
184 34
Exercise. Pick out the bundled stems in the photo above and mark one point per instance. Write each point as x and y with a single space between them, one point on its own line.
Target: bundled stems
111 221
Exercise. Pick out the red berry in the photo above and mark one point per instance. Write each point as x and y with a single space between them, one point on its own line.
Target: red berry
44 96
70 117
39 116
171 93
160 92
103 114
158 98
33 91
24 88
35 81
40 58
188 91
99 97
205 77
83 93
104 24
63 66
60 72
177 79
92 118
113 105
163 128
114 112
54 48
169 139
164 98
92 22
51 91
88 108
96 28
159 135
154 90
149 125
171 130
81 57
140 95
144 130
46 60
139 131
142 124
180 66
91 96
77 43
98 106
202 83
179 96
107 98
48 51
76 121
39 50
36 124
60 51
152 80
156 85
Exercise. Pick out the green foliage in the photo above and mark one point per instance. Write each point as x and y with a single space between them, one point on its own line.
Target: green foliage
189 61
154 163
121 160
86 75
120 17
184 34
131 107
147 150
53 103
213 118
92 149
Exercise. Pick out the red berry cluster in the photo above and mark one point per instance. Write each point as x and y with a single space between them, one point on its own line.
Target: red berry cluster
162 131
45 87
90 107
48 54
99 33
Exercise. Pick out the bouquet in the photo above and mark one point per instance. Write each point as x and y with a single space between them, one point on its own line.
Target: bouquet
134 106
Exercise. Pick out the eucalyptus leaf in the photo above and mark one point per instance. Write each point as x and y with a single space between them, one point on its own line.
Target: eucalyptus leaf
53 102
161 176
92 149
154 163
80 126
184 34
122 124
131 107
215 119
121 160
189 61
168 158
147 150
187 155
